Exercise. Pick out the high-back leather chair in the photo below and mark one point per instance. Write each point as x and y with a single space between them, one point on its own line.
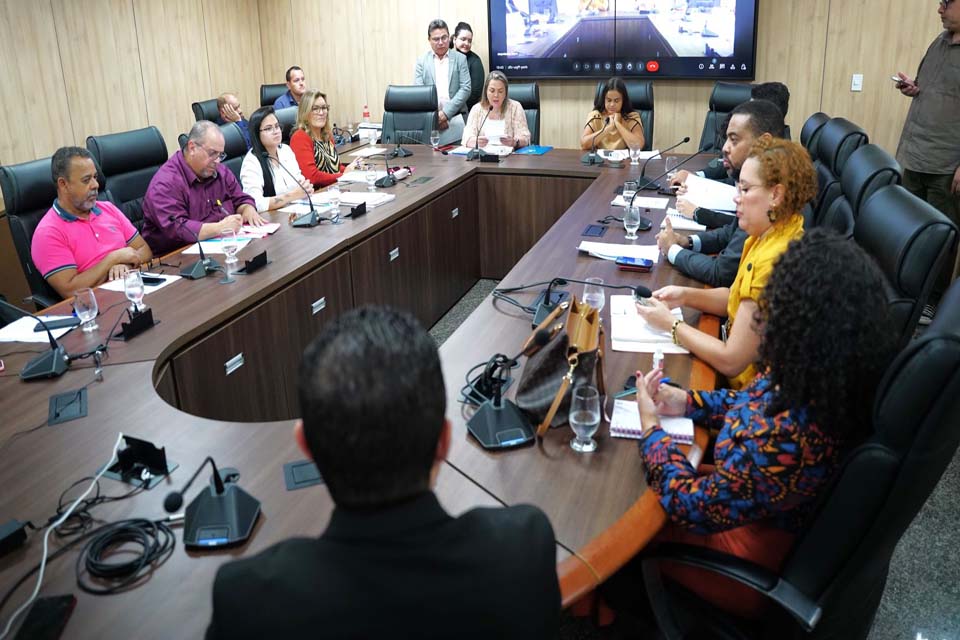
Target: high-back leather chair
528 95
287 117
832 582
641 97
128 161
910 240
868 169
723 99
409 114
270 92
235 146
28 192
206 110
838 139
810 132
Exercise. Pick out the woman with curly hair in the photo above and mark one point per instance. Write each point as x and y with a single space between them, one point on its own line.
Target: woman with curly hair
776 181
825 341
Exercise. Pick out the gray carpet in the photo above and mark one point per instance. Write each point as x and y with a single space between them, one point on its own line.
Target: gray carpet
923 588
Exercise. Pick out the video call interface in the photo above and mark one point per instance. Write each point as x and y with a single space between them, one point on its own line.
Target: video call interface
712 39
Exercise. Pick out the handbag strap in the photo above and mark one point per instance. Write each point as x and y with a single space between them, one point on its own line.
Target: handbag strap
601 387
561 392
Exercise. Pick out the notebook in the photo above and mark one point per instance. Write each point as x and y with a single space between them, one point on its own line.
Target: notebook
680 223
625 423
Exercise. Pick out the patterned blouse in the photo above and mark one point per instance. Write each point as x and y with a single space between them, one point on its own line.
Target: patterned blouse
767 467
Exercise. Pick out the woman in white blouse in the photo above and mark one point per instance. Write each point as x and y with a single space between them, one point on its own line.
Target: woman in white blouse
496 119
269 185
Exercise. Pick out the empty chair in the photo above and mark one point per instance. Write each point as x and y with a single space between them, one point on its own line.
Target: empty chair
206 110
909 239
270 92
868 169
287 118
832 582
641 97
128 161
810 132
409 114
235 146
837 140
528 95
28 192
724 97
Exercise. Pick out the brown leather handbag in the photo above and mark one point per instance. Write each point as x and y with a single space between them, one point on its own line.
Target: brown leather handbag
572 357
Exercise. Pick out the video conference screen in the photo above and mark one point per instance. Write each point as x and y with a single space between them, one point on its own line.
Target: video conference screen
709 39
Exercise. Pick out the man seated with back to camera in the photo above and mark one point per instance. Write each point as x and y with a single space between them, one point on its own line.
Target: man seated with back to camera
192 196
392 562
81 242
692 255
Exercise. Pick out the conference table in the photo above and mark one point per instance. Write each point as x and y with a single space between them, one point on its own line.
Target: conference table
217 374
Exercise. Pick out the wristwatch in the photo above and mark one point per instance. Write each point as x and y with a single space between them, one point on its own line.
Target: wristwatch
689 242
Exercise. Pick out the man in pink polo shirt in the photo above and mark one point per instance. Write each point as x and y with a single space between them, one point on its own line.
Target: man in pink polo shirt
81 242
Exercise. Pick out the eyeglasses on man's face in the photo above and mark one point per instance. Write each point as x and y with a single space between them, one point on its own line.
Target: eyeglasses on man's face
440 39
212 154
945 3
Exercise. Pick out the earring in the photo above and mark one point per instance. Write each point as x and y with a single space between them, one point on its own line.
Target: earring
771 215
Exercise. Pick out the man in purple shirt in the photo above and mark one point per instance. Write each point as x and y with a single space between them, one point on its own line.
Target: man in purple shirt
189 197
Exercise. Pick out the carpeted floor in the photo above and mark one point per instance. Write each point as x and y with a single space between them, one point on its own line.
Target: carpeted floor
923 588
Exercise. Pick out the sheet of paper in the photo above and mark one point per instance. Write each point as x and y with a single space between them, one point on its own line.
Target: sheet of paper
353 198
710 194
493 129
498 150
21 330
366 152
630 332
642 202
646 155
681 223
610 251
358 177
625 423
117 285
215 245
261 231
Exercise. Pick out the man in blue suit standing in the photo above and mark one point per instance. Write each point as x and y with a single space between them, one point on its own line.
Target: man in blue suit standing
446 68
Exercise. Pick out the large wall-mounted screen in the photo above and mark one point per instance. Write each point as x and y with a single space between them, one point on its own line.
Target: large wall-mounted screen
710 39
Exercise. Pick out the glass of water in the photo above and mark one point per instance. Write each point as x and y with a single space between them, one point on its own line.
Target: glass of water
635 155
584 418
594 294
631 222
85 306
133 289
228 240
670 166
333 191
371 177
434 139
629 190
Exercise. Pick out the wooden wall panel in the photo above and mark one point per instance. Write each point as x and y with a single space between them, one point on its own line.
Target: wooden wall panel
232 30
894 43
173 55
277 41
103 96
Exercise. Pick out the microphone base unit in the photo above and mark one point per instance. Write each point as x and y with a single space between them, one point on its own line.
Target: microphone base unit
503 427
400 152
307 220
386 181
545 307
199 269
650 185
214 521
49 364
591 158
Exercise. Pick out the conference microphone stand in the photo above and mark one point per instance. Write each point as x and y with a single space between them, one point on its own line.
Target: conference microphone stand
49 364
592 158
643 169
398 151
654 184
202 267
475 153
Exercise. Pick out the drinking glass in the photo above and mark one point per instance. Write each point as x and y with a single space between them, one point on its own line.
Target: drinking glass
371 180
670 166
333 191
631 222
85 305
230 245
434 139
635 155
584 418
133 289
594 294
629 189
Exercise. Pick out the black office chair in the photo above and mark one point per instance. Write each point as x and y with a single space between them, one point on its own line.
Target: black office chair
206 110
910 240
723 99
528 95
270 92
838 139
128 160
832 582
641 97
868 169
28 192
810 132
287 117
409 114
235 146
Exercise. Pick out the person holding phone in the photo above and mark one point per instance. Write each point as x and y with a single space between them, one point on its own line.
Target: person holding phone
613 123
496 119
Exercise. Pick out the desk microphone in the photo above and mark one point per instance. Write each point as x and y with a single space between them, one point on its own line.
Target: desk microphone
475 152
49 364
547 301
311 219
221 515
654 184
643 170
398 151
387 180
592 157
202 267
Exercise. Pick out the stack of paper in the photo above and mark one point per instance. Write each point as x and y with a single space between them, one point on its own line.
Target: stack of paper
710 194
358 177
642 202
21 330
680 222
353 198
609 251
625 423
262 231
630 332
366 152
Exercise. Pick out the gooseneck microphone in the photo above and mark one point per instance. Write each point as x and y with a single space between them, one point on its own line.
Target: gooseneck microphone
398 151
49 364
549 300
592 157
654 183
311 219
202 267
475 152
643 170
174 499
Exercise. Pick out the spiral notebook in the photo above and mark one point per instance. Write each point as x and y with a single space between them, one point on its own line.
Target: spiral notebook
680 223
625 423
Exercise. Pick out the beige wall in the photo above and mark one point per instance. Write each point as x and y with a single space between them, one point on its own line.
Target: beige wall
69 69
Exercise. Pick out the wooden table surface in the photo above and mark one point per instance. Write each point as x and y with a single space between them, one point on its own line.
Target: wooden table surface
584 495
